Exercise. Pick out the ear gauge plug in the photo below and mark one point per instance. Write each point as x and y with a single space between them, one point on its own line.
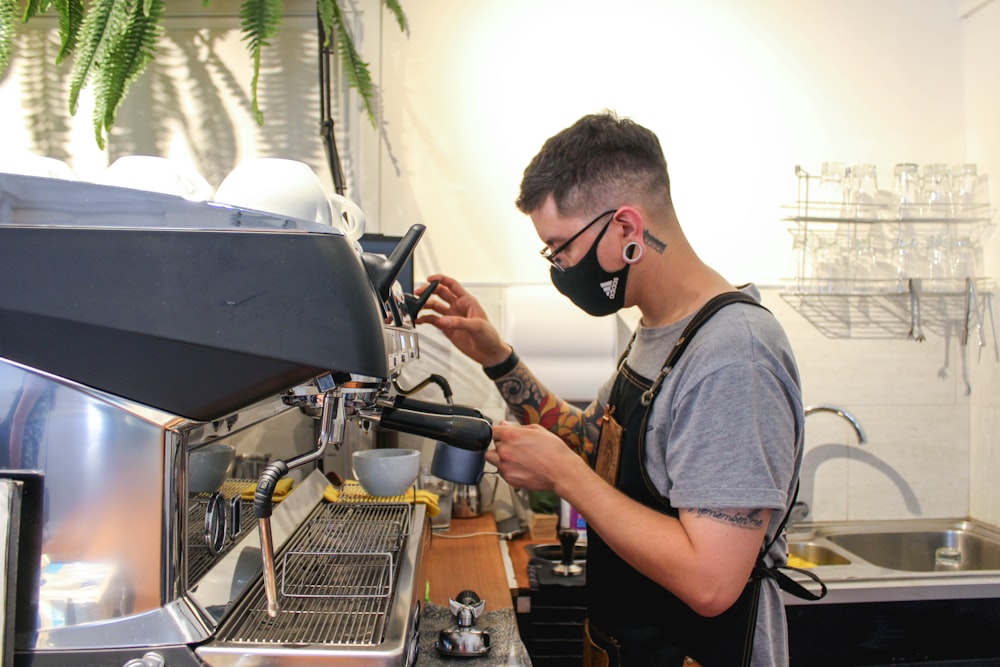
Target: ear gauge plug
632 252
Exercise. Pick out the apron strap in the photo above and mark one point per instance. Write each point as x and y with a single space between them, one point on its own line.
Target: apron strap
714 305
788 584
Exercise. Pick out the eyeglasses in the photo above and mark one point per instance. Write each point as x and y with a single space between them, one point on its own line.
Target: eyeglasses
550 256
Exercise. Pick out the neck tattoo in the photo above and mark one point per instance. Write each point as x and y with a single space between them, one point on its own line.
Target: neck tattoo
653 243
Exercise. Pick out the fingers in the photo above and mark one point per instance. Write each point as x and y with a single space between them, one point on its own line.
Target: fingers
448 283
492 457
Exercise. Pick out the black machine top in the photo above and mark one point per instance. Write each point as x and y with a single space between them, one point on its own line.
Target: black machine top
195 308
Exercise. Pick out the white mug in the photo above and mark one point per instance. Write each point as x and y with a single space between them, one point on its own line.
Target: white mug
157 174
279 186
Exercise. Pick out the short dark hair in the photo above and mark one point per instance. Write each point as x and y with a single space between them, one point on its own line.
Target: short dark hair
599 161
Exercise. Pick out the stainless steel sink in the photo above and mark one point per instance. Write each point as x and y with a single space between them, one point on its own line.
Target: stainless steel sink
923 551
911 559
816 554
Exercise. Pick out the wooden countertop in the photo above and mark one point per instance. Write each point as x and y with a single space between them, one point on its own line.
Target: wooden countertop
475 563
519 559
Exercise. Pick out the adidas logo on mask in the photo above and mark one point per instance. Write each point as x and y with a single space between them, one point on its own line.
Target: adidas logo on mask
610 287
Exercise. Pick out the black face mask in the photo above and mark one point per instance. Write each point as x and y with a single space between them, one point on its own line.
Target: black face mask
590 287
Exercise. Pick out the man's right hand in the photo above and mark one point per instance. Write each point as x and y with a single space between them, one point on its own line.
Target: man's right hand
462 320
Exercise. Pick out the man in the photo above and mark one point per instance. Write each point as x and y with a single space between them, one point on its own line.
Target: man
688 467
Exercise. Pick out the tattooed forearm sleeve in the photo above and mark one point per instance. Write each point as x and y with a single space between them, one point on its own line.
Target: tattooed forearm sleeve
532 403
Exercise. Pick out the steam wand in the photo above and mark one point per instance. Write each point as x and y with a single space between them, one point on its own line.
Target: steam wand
332 430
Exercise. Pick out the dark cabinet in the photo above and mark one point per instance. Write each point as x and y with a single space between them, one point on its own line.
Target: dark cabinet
915 632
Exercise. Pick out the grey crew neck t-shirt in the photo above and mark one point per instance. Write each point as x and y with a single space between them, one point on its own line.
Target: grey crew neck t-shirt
726 428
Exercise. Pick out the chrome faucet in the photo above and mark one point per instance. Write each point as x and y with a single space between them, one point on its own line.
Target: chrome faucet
840 412
800 510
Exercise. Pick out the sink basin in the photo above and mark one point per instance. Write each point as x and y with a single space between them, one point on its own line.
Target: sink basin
814 555
892 560
923 551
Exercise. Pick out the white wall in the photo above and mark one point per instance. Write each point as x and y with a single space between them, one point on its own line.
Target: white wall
981 57
739 93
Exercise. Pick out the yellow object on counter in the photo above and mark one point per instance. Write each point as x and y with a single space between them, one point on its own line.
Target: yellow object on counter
352 492
802 563
281 489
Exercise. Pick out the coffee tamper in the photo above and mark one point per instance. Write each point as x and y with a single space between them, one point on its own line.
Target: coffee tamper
567 568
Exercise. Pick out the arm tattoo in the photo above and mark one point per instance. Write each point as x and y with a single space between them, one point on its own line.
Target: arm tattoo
532 403
741 518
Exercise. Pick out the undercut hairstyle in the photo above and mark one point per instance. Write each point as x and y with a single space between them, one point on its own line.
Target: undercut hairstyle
598 162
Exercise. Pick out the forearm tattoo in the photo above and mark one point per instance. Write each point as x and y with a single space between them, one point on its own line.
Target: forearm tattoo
750 519
532 403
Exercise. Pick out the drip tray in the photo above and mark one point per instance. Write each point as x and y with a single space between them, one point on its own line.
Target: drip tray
347 589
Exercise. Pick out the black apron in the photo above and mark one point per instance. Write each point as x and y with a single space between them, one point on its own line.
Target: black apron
630 617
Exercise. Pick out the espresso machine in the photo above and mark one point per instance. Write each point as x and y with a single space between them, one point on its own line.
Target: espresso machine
151 347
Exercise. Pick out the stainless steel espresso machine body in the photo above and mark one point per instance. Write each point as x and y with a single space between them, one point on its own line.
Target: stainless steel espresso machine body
151 350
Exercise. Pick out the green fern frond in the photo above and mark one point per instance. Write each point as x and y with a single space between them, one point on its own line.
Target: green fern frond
260 22
325 9
31 10
70 14
8 12
104 21
355 69
397 11
128 56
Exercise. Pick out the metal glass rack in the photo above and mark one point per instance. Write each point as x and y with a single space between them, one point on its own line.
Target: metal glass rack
875 269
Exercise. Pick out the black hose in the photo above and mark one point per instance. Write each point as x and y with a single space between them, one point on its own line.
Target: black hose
434 378
262 504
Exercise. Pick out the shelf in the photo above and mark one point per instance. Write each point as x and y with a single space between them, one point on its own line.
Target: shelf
888 315
843 250
874 214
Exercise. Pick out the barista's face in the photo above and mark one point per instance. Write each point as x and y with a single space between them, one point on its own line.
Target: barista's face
569 238
575 249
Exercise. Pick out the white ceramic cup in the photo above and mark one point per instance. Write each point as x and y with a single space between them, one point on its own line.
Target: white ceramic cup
157 174
279 186
386 472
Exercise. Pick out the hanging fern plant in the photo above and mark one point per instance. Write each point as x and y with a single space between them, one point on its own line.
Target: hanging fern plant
112 41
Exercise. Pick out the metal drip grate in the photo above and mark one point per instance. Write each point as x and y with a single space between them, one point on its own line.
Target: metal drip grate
337 579
200 557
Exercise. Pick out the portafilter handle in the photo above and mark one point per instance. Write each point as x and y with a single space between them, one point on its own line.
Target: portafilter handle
465 432
408 403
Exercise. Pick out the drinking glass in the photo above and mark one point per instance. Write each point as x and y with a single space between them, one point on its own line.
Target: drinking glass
832 189
863 191
935 191
964 179
906 188
829 266
862 265
443 489
964 260
907 260
939 268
